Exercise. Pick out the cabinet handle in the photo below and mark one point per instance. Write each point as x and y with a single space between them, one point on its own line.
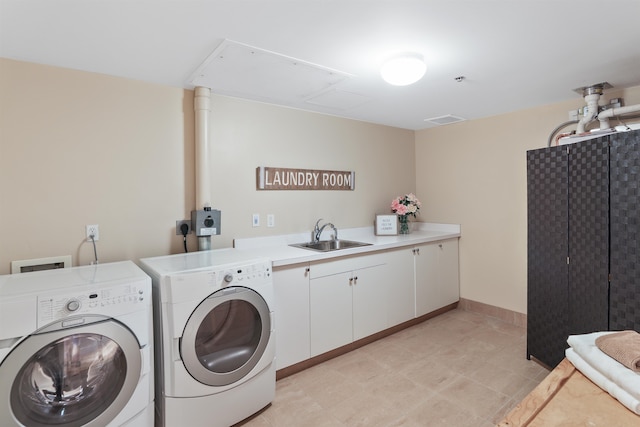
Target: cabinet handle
350 280
355 280
416 251
440 245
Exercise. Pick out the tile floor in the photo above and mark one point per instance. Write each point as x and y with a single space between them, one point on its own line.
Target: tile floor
458 369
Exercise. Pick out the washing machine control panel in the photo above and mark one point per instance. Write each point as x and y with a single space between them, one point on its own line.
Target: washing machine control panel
255 273
108 301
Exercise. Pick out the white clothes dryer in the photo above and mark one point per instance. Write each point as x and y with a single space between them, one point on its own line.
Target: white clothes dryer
215 339
76 347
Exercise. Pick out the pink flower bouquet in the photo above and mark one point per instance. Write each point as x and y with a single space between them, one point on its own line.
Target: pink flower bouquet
407 205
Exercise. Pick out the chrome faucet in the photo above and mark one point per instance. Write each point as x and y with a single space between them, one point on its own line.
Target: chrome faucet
317 230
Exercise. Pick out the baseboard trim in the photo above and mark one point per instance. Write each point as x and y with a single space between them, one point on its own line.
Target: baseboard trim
508 316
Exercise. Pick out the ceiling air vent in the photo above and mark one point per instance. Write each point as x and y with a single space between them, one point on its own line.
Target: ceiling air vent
445 120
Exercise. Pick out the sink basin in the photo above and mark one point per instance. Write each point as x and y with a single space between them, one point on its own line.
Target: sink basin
330 245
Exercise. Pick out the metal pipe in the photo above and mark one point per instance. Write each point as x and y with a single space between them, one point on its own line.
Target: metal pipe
203 181
557 129
204 243
201 104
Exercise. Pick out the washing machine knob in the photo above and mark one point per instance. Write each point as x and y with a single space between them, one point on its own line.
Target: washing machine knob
73 305
228 277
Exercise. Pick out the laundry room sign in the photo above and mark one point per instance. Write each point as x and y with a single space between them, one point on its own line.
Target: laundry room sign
270 178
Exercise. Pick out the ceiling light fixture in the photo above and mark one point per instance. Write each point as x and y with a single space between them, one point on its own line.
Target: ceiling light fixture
403 69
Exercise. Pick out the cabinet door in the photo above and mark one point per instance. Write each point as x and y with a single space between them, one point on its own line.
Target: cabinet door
436 275
448 273
547 249
401 289
625 231
426 277
369 289
291 312
588 236
331 312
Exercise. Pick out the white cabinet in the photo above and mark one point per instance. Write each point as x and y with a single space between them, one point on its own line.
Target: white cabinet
436 275
291 311
327 304
369 289
347 301
331 312
401 290
449 270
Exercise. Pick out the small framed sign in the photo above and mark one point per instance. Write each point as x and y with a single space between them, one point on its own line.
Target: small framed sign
386 225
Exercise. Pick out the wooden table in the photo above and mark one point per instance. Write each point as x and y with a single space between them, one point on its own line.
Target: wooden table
567 398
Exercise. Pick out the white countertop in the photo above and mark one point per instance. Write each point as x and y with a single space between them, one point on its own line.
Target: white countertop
281 254
277 249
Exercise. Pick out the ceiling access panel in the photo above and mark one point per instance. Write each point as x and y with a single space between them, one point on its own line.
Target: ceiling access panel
243 71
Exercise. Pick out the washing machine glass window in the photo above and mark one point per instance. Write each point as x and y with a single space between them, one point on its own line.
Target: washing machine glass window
73 377
226 336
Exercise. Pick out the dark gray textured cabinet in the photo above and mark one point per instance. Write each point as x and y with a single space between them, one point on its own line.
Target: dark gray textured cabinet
583 241
624 292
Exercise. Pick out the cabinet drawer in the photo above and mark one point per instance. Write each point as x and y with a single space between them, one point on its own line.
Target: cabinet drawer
345 264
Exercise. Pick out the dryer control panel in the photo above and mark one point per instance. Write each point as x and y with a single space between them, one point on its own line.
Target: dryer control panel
107 301
254 273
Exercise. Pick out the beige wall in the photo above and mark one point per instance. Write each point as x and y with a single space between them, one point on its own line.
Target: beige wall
79 148
474 173
245 135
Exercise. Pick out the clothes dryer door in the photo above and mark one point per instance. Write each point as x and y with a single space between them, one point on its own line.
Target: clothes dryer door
80 371
226 336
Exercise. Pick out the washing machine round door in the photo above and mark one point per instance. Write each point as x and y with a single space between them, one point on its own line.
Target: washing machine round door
81 375
226 336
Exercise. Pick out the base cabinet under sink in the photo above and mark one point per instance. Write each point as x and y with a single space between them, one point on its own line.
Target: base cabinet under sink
345 307
323 305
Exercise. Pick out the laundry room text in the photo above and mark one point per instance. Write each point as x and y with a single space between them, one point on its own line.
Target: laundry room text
271 178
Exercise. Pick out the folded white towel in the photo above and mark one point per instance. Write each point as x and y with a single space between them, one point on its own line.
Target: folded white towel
603 382
585 346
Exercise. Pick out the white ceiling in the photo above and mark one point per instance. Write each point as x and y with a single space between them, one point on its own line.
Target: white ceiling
514 54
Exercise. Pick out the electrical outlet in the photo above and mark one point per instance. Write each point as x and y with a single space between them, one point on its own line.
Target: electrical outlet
256 220
179 226
206 222
92 230
271 220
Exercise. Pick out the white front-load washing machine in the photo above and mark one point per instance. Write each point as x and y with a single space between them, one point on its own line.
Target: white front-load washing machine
76 347
215 338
